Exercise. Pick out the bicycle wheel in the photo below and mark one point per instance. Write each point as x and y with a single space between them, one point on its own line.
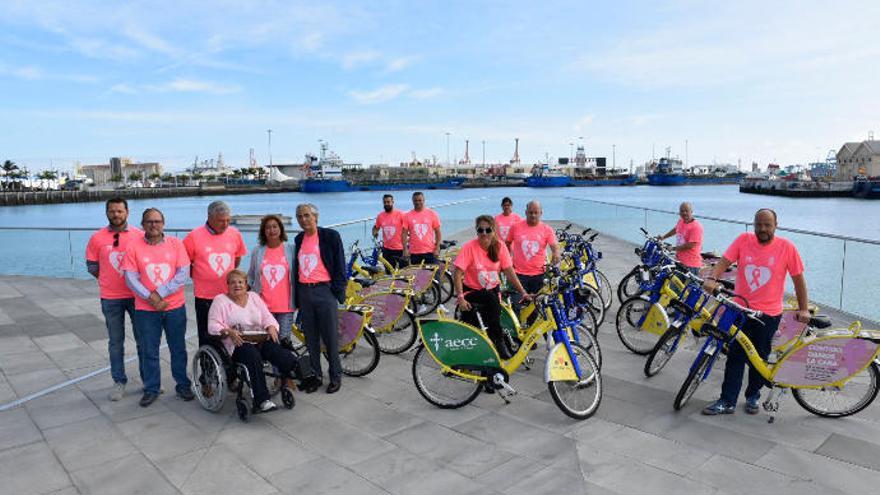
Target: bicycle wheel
629 286
446 286
663 351
428 300
605 289
400 337
363 357
630 333
444 390
589 341
856 394
579 399
692 382
591 298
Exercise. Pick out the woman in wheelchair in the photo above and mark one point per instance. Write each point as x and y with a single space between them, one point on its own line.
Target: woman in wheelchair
249 333
477 278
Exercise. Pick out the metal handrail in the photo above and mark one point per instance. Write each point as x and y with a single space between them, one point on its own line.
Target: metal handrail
737 222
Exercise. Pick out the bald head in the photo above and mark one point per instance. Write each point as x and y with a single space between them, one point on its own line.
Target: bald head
686 212
533 213
765 225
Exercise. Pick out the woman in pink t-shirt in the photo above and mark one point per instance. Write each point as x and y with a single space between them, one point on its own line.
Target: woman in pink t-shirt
269 272
250 335
477 276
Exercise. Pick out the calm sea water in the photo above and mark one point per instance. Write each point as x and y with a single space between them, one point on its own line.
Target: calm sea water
842 216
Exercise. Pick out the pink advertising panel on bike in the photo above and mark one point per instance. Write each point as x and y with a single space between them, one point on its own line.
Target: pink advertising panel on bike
824 361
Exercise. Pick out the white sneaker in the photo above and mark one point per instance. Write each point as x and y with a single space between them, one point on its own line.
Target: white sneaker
117 393
267 406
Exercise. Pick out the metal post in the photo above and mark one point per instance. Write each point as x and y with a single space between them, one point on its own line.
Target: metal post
646 219
842 275
70 254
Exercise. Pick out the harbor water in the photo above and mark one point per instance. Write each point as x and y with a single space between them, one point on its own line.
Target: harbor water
841 271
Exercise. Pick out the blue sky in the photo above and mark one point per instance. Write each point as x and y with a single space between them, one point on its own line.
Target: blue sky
763 81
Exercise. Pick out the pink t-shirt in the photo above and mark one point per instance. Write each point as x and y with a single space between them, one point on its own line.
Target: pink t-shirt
685 233
111 280
156 266
275 281
504 223
213 256
311 267
421 225
225 313
391 226
529 247
479 270
761 269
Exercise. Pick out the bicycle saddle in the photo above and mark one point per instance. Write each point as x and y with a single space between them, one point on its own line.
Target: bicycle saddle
820 321
447 244
372 270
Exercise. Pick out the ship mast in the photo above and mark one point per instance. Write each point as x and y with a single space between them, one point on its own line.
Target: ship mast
515 159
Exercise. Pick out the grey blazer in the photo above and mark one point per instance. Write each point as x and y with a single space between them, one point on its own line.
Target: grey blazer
253 275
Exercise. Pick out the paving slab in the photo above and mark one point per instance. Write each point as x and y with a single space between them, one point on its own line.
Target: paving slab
31 469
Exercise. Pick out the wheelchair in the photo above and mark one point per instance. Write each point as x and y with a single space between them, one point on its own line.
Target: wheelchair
215 374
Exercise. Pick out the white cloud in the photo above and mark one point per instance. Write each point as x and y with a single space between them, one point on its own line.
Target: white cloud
400 63
356 59
181 85
150 41
123 88
384 93
427 93
33 73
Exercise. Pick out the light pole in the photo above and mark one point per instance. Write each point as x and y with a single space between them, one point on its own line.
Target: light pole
447 149
484 153
571 152
270 146
613 156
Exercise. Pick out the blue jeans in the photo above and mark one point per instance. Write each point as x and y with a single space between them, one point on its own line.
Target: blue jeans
114 317
150 325
762 339
285 322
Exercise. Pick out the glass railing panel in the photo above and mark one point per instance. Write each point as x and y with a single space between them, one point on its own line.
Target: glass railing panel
860 279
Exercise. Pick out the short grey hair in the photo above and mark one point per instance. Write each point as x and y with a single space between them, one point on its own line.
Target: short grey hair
687 205
309 206
218 208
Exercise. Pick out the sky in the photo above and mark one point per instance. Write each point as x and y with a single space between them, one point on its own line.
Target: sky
783 82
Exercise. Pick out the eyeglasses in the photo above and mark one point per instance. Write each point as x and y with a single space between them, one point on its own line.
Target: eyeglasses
116 239
481 230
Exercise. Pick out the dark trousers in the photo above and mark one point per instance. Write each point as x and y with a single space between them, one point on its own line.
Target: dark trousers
394 256
428 258
319 317
490 311
253 355
532 284
203 306
762 338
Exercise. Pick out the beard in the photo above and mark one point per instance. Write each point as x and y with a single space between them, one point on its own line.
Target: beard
388 208
764 236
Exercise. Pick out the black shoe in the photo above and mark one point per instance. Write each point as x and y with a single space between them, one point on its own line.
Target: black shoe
488 388
148 398
333 387
309 385
186 395
504 350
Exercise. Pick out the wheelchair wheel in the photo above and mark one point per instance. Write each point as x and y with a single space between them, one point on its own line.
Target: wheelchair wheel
287 398
242 409
273 384
209 378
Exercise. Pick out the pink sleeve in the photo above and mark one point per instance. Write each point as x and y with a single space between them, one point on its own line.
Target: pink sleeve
436 219
504 256
266 318
550 236
794 263
732 253
463 260
128 260
376 223
696 233
217 315
182 255
189 245
92 250
405 220
242 249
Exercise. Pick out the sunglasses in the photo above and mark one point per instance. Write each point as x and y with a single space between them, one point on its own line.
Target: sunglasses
116 239
481 230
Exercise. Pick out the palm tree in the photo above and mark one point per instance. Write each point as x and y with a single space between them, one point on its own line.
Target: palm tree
134 177
9 169
46 176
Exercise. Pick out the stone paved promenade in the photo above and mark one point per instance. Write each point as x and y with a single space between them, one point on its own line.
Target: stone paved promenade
379 436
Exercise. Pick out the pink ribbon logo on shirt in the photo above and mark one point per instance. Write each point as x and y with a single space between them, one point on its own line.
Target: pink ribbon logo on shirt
420 229
158 273
487 278
220 263
388 231
115 258
756 276
503 230
274 274
307 264
530 248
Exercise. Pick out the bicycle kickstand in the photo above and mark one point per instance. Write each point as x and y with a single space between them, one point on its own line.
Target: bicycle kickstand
771 405
504 389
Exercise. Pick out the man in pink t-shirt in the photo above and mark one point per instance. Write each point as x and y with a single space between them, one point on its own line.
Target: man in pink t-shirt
688 234
529 240
104 255
763 260
505 220
156 269
215 249
421 232
389 222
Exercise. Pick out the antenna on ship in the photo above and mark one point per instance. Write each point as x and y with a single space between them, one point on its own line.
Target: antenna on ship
467 159
515 159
